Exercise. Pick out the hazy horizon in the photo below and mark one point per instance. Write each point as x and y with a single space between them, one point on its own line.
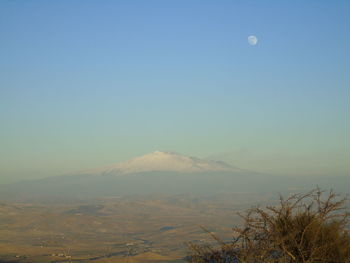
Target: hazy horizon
226 158
93 83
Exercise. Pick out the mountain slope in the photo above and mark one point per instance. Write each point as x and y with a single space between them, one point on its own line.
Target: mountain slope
161 173
164 161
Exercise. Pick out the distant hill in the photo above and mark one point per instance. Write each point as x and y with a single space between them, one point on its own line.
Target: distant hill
163 173
164 161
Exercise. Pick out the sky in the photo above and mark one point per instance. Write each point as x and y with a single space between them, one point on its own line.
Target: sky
86 83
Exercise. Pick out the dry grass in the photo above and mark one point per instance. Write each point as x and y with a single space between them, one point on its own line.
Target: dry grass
306 228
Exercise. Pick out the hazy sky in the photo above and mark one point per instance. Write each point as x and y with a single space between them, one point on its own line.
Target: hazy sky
90 83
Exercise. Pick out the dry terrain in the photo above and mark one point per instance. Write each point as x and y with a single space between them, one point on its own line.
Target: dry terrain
117 229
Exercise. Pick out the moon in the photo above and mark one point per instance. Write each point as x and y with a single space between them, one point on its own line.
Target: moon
252 40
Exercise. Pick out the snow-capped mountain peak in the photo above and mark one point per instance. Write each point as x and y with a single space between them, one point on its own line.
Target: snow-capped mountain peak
164 161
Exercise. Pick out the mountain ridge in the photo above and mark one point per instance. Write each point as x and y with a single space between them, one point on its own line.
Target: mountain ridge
163 161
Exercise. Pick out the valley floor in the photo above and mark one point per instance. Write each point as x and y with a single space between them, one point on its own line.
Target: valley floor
117 229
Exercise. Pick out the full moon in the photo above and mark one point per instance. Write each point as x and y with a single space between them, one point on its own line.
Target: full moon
252 40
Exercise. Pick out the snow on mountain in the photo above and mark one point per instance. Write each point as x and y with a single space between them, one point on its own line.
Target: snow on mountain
164 161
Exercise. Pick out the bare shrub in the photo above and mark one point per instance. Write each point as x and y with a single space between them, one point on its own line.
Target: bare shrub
308 228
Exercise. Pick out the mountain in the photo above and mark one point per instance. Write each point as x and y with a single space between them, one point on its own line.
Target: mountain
163 173
164 161
154 173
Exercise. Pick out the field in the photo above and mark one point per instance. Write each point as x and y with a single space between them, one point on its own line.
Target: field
150 228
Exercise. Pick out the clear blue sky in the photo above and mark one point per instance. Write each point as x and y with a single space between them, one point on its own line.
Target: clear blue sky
90 83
